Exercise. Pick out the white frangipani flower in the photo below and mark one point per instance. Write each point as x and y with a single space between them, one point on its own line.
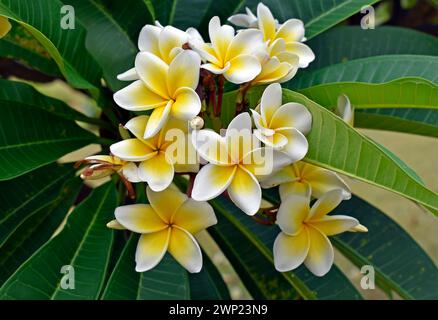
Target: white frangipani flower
305 179
291 31
229 54
157 164
167 224
345 110
282 126
167 89
102 166
304 231
235 161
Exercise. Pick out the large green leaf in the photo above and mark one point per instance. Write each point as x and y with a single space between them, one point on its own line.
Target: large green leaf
208 284
399 262
348 43
262 239
22 47
400 93
25 196
388 106
335 145
42 19
168 280
106 41
84 244
376 69
37 229
416 121
31 138
24 94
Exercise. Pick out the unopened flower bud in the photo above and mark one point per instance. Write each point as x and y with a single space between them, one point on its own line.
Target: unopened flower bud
197 123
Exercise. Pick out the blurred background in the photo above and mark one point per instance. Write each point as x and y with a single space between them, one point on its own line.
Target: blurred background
419 152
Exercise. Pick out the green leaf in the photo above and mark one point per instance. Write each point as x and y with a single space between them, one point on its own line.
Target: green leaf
208 284
400 93
22 47
167 281
361 43
67 47
376 69
84 244
37 229
106 41
399 262
335 145
31 138
334 285
416 121
25 196
24 94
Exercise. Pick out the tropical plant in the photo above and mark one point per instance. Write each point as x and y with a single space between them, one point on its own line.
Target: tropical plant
62 239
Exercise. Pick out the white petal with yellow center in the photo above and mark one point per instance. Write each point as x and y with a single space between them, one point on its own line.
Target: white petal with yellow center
290 251
246 42
130 172
194 216
211 147
215 69
270 101
157 171
185 249
299 188
326 204
148 39
157 120
291 30
220 36
166 203
323 181
292 213
129 75
153 72
320 256
187 104
151 248
296 146
139 218
211 181
132 150
304 53
244 190
138 97
170 38
282 176
243 68
266 22
332 225
184 71
292 115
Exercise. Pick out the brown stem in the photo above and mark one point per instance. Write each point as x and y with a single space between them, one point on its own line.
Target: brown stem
241 103
191 182
220 93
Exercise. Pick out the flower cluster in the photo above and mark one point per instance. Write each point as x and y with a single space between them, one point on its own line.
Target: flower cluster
177 86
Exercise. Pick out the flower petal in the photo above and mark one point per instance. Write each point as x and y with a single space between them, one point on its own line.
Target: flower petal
220 36
187 104
166 203
292 213
243 68
185 249
132 150
151 249
345 110
273 71
266 21
128 75
292 115
295 188
270 101
291 30
157 120
214 68
323 181
153 72
211 181
326 204
211 146
277 140
290 251
245 191
194 216
158 172
148 39
332 225
246 43
319 259
139 218
240 20
297 145
265 161
130 172
184 71
282 176
260 125
304 53
170 38
138 97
